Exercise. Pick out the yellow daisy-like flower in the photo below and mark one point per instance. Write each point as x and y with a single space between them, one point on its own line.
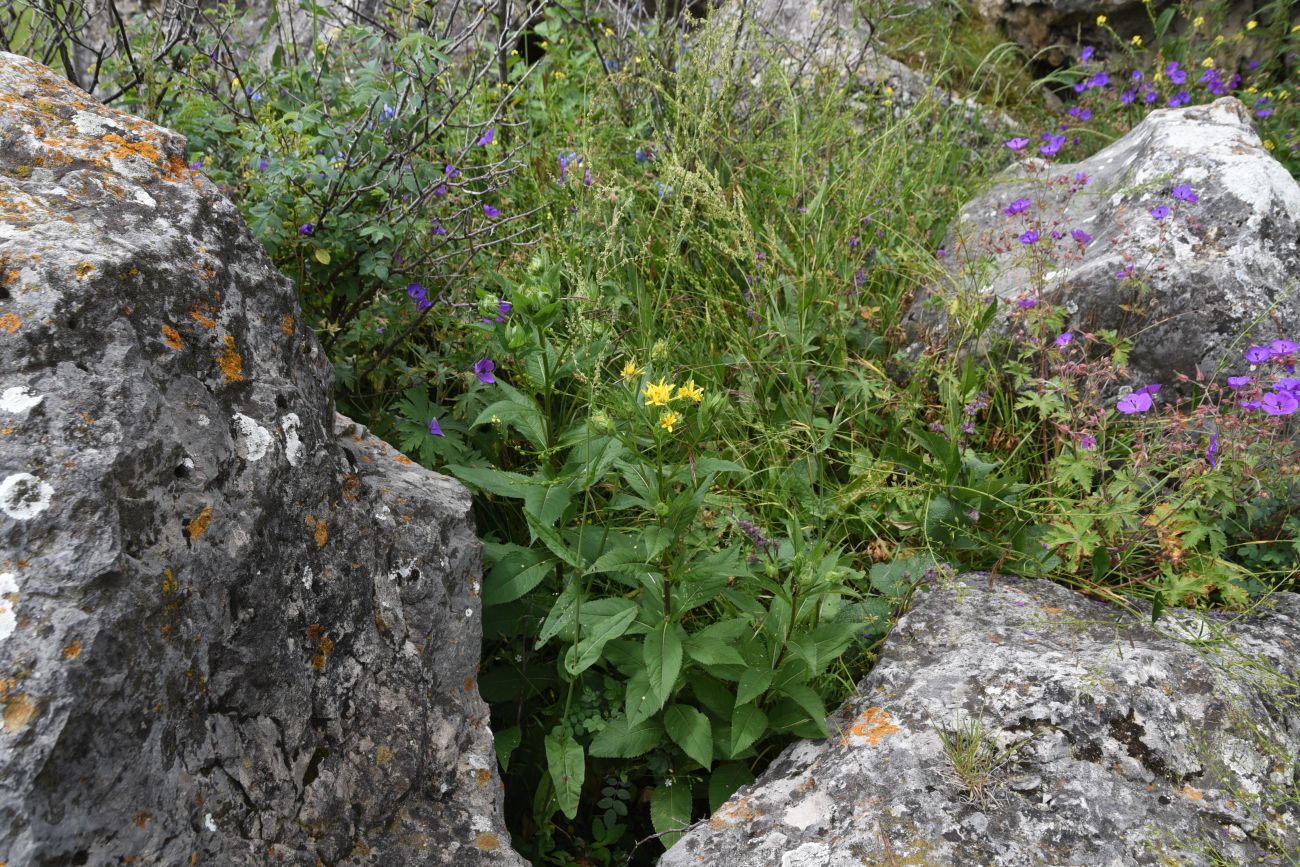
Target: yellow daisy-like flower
1208 63
1199 21
630 370
690 390
1251 25
1101 20
1137 39
669 420
658 393
1268 145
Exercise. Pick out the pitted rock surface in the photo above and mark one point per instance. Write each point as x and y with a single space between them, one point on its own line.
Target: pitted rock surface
235 628
1146 745
1209 272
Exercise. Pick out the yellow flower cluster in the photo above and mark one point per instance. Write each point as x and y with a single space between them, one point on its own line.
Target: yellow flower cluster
663 393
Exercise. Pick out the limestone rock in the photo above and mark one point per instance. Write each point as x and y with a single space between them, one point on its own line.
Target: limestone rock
1202 276
1139 744
234 627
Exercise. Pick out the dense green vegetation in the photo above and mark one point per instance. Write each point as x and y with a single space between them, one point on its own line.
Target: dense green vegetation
649 307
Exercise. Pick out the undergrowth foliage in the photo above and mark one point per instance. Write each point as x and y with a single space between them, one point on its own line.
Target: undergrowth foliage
640 284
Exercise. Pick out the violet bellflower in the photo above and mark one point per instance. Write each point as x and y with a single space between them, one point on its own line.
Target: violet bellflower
435 428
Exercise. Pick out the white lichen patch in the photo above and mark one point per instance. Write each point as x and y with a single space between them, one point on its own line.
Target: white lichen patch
19 399
209 824
817 807
23 496
252 441
90 123
292 442
8 595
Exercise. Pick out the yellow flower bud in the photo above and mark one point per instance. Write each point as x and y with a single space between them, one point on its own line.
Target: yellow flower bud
1101 20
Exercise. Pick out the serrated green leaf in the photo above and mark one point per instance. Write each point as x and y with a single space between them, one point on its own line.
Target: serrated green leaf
551 538
621 740
663 658
515 571
670 810
641 701
753 683
493 481
546 502
748 724
810 702
506 742
708 650
596 631
568 769
691 731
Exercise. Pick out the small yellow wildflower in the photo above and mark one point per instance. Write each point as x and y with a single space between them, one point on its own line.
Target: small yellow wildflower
1219 40
1101 20
669 419
1268 145
1137 39
1208 63
1199 21
1296 29
630 370
658 393
609 31
1251 25
690 390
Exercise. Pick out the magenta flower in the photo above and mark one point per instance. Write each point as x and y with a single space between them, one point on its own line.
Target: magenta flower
483 370
1029 237
1279 403
1160 212
1088 441
1236 382
1283 347
1019 206
1063 339
1153 388
1138 401
491 212
1183 192
1053 145
1258 354
1027 303
1016 143
435 428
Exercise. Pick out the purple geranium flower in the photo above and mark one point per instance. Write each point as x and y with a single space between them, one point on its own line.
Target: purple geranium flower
1138 401
1153 388
1258 354
1016 143
1053 145
483 370
491 212
435 428
1019 206
488 136
1184 193
1282 347
1279 403
1212 451
1176 75
1029 237
306 229
1160 212
438 228
450 171
1063 339
1128 96
1027 303
261 164
1081 236
1236 382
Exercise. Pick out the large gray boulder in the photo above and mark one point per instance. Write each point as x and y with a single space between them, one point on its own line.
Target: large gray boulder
1137 745
235 628
1187 287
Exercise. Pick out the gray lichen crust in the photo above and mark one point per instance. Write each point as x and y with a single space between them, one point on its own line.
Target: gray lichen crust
235 628
1143 745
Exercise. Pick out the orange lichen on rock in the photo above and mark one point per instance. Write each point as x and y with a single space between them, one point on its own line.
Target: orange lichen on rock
230 362
73 650
19 712
145 150
287 325
201 315
487 841
10 323
732 813
200 523
1193 793
322 533
172 338
403 460
873 724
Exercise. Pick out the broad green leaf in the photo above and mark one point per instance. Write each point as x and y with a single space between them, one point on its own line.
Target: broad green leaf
620 740
546 501
663 658
519 412
706 578
493 481
551 538
753 683
670 811
515 571
595 632
709 650
713 694
560 618
725 780
506 742
565 760
810 702
691 731
642 702
748 724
